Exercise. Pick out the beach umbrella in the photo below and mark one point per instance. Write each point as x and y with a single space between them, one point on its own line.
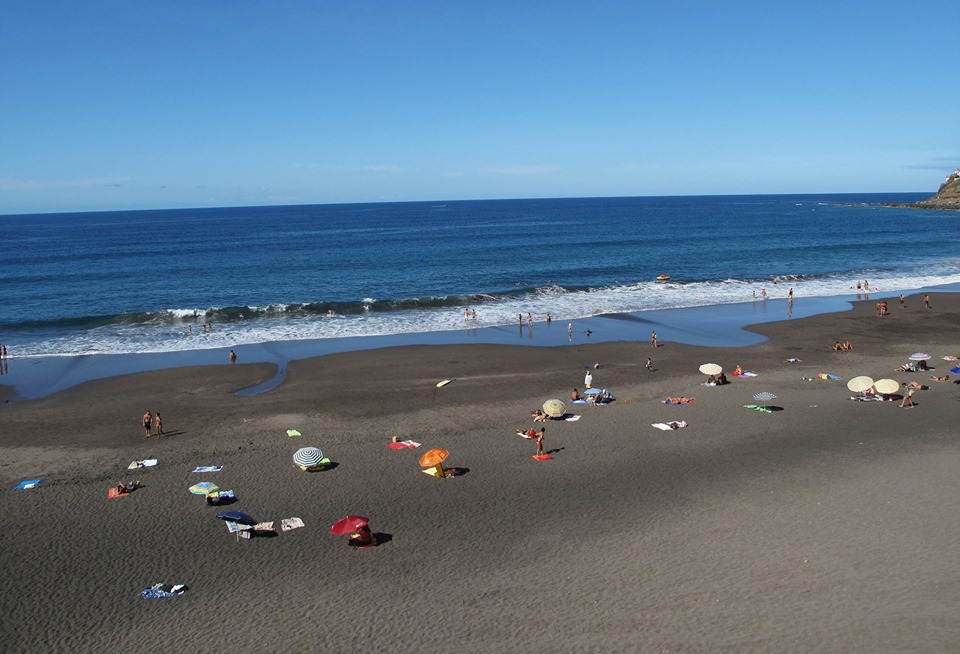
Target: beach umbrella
886 386
711 369
348 525
956 370
554 408
860 384
433 457
593 391
308 457
764 396
237 516
203 488
920 356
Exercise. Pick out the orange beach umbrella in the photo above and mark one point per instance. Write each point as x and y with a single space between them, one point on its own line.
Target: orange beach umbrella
433 457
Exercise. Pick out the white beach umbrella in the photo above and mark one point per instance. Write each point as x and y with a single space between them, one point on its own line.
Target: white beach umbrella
920 356
860 384
711 369
886 386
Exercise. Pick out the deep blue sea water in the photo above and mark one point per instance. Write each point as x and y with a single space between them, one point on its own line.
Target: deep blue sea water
148 281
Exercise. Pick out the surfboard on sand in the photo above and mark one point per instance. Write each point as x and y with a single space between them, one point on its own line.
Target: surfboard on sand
444 383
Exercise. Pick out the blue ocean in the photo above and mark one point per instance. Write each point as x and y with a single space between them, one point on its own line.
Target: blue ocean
188 280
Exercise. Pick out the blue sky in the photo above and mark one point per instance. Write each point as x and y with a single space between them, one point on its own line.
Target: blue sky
111 104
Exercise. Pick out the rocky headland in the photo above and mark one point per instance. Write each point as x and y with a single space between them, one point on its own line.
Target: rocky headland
947 197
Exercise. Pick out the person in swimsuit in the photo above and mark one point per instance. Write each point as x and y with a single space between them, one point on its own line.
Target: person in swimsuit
147 424
363 537
159 424
540 441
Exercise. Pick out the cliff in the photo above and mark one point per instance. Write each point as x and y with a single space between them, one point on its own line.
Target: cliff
947 197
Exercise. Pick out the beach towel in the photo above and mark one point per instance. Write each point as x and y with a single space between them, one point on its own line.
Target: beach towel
115 492
689 401
163 590
542 457
289 524
410 443
748 374
234 527
209 469
146 463
397 446
28 484
824 375
669 426
867 398
572 417
578 401
293 432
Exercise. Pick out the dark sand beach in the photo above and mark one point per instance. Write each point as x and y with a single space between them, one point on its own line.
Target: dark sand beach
825 525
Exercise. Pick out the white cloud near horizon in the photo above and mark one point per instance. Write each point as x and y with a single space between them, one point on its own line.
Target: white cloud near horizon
541 169
14 184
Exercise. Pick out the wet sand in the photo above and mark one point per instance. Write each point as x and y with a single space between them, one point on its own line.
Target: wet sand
825 525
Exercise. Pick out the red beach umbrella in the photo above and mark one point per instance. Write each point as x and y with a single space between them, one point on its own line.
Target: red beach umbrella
348 525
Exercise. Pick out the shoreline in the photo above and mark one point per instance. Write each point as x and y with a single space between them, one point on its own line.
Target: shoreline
723 325
825 525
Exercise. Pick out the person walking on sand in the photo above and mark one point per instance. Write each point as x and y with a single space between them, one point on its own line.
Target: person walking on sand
540 441
233 356
649 364
653 339
159 424
903 302
926 305
908 399
147 424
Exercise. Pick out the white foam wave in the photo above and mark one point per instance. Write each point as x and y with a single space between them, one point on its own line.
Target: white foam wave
562 306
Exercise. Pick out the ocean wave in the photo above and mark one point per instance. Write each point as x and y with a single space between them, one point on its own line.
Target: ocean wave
179 329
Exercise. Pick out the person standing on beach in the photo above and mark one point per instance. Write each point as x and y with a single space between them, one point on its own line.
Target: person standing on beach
649 364
588 380
903 302
540 441
159 423
926 305
653 339
147 424
233 356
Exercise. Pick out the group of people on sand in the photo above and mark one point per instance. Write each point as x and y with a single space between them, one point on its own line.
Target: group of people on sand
150 421
843 345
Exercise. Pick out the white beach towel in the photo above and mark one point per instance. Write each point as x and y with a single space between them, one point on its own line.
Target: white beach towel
573 417
411 443
289 524
146 463
669 426
209 469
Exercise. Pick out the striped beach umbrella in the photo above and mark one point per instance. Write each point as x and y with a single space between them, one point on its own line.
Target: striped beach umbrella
204 488
308 457
765 396
554 408
920 356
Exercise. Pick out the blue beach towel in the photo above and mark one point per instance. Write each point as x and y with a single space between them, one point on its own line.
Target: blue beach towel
28 484
163 590
209 469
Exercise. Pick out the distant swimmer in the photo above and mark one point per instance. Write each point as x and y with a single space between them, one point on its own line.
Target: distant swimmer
233 356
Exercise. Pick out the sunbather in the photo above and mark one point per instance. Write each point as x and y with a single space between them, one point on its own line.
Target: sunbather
943 378
792 360
539 416
915 385
678 400
574 395
738 370
362 537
